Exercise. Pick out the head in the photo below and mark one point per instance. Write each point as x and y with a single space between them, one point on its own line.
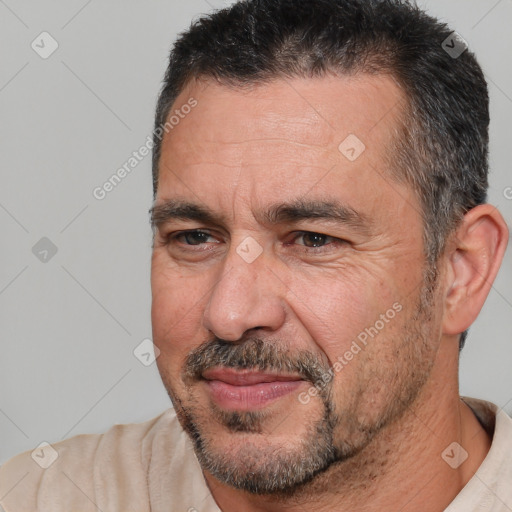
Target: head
305 208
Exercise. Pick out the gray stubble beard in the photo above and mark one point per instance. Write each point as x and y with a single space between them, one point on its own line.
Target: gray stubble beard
262 469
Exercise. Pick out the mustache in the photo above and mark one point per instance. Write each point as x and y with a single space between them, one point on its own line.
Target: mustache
254 354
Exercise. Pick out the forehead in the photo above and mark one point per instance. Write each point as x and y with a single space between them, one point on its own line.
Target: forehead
304 109
285 136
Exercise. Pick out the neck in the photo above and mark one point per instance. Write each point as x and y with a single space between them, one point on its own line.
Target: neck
401 469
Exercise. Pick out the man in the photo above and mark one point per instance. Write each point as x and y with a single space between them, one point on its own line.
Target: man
322 244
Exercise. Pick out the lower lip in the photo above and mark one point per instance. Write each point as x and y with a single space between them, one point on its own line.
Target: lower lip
255 396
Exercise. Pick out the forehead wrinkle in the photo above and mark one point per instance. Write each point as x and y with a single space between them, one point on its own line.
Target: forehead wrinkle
265 139
248 151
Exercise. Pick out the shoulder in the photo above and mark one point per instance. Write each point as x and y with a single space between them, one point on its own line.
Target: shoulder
81 472
490 488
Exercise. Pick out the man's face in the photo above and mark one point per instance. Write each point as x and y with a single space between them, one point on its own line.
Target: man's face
307 269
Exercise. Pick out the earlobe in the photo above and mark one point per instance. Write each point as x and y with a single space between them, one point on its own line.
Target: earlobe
473 260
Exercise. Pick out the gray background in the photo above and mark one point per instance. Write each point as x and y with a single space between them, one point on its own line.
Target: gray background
67 123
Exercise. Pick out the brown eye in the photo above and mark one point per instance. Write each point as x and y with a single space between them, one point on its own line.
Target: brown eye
314 239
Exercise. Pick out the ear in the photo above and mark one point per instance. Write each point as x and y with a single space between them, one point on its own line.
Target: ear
473 259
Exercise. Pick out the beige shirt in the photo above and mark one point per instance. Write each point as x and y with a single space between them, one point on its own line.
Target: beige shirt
152 467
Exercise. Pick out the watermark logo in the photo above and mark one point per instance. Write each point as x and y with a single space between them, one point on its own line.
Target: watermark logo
44 455
146 352
356 347
100 192
454 45
352 148
454 455
249 250
507 193
44 45
44 250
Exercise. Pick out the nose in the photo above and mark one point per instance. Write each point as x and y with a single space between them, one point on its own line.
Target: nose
247 296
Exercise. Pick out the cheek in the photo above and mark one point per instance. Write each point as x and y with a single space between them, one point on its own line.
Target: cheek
337 306
176 334
176 313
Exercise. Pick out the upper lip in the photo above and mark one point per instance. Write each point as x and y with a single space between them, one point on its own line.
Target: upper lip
246 377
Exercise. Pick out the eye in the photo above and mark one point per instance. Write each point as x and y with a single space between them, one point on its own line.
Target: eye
195 237
314 240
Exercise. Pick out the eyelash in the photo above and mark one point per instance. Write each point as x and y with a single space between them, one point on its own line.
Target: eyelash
174 237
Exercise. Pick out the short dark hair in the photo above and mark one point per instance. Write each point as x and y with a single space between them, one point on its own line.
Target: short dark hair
441 144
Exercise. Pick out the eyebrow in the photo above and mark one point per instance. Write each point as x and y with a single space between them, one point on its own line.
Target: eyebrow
333 211
183 210
293 212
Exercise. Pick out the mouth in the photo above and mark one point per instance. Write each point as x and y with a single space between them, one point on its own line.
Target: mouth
247 390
